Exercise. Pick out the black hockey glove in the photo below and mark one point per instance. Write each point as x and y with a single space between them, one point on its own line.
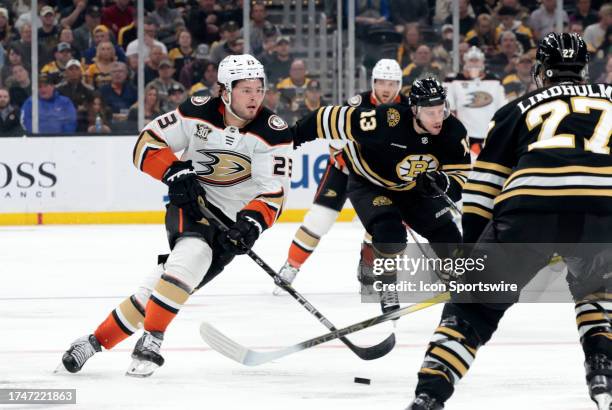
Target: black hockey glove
427 182
242 235
184 189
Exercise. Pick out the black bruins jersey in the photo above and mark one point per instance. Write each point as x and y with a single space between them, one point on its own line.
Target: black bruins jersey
366 99
548 151
384 148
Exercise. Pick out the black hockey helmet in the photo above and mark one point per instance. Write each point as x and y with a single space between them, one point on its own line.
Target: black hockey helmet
427 92
561 57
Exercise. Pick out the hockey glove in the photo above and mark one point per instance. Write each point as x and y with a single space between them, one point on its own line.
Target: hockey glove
184 189
242 235
427 182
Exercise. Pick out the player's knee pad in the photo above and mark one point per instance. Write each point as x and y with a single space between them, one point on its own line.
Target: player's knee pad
148 284
319 219
189 260
388 237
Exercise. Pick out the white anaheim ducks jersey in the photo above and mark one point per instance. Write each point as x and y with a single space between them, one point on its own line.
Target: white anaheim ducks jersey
475 102
240 169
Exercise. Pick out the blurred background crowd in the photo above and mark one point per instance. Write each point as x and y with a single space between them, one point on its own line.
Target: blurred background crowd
88 52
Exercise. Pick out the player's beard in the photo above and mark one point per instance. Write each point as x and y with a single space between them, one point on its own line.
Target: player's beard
247 113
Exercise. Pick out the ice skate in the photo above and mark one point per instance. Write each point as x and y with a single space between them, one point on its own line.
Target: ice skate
146 355
600 385
288 273
79 352
425 402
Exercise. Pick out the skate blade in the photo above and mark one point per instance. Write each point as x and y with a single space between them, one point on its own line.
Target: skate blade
141 368
60 369
604 401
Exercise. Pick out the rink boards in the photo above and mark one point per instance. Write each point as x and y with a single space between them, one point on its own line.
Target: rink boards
91 180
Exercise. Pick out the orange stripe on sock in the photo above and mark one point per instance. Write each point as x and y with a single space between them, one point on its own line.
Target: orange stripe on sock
157 317
297 256
109 333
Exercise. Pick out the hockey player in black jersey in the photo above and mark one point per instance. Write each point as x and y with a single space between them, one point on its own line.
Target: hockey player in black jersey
393 154
331 193
543 181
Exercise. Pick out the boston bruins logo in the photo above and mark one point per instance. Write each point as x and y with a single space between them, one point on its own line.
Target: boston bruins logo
393 117
223 168
478 99
411 166
381 201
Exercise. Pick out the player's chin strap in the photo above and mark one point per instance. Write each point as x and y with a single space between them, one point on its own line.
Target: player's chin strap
228 106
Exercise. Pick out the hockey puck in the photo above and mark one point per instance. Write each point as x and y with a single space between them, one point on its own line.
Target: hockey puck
362 380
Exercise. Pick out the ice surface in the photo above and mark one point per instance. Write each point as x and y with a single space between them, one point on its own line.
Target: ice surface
59 282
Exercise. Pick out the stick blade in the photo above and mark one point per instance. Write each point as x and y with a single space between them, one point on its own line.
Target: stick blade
376 351
223 344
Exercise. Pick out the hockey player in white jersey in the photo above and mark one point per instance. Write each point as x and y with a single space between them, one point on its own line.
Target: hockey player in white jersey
235 162
474 95
330 195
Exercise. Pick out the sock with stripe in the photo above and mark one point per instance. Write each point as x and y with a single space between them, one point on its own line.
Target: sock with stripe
165 302
121 323
302 246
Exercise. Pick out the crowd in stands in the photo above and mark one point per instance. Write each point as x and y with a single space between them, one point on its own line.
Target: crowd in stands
88 52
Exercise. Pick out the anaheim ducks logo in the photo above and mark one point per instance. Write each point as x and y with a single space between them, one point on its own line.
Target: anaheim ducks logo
199 99
277 123
330 193
381 201
411 166
223 168
478 99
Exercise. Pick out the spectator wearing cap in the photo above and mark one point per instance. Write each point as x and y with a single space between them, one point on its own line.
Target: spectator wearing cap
152 106
583 13
409 11
411 39
293 87
504 62
168 20
74 14
258 25
98 73
176 96
84 34
7 33
519 82
543 20
150 40
19 84
118 15
9 116
272 101
47 35
484 35
55 69
312 100
229 32
151 69
508 22
203 22
74 87
277 64
165 81
208 79
595 34
183 54
466 20
119 95
56 113
192 72
101 35
67 36
422 63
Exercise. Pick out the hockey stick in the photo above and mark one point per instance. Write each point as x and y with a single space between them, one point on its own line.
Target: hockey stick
444 196
232 350
365 353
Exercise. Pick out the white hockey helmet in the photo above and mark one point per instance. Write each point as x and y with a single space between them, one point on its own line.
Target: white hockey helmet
474 62
473 53
239 67
387 69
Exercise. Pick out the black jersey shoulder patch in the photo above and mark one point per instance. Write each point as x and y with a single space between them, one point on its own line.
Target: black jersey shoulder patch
355 101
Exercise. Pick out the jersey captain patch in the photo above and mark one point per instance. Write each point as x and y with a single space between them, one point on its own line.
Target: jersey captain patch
277 123
223 167
411 166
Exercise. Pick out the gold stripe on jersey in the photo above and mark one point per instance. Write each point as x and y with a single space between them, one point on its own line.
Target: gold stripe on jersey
319 124
148 140
347 121
492 167
578 169
334 122
454 167
487 189
427 370
470 209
